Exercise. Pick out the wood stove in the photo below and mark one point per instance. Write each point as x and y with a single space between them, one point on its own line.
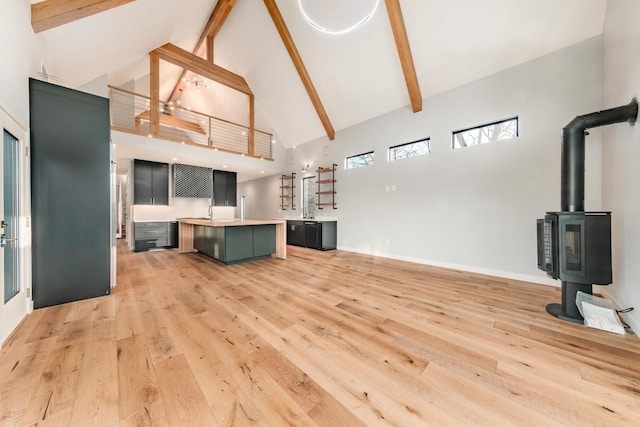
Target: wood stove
573 245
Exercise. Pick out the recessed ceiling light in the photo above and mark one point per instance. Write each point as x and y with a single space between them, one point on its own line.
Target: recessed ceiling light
175 159
261 171
224 166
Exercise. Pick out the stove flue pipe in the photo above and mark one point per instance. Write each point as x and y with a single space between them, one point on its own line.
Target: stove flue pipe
573 151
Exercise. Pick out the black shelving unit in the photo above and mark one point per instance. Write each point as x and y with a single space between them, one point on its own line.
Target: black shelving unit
326 186
287 193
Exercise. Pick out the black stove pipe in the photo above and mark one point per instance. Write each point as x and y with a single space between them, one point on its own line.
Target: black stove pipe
573 149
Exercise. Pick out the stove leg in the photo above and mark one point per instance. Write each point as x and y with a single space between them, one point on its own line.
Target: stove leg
568 310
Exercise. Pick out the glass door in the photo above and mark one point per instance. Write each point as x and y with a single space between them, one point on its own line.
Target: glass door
15 242
10 229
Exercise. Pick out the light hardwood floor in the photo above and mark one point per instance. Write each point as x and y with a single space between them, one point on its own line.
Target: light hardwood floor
323 338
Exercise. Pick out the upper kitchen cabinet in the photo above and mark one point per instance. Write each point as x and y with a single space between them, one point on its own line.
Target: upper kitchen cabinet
150 183
224 188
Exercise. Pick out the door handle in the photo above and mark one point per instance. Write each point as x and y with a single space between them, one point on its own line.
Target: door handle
4 239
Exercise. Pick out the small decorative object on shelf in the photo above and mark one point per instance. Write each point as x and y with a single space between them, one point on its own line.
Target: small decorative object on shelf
326 186
287 195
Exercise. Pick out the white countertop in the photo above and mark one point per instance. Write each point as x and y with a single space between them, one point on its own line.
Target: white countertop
232 222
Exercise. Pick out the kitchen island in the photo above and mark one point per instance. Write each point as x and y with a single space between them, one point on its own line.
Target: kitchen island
233 241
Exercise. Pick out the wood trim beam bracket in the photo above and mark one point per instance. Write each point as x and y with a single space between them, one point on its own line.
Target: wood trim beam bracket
289 44
53 13
404 52
187 60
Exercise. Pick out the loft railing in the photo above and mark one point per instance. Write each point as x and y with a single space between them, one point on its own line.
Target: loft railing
130 112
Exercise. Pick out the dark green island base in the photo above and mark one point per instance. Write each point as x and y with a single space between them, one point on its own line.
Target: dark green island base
233 245
232 241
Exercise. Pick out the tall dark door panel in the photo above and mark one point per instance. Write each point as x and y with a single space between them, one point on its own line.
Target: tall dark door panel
142 183
70 194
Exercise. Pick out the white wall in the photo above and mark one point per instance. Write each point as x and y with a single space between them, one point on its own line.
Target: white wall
17 62
22 53
473 208
621 154
181 207
262 198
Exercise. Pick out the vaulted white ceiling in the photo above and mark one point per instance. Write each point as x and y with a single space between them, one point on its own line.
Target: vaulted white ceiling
357 75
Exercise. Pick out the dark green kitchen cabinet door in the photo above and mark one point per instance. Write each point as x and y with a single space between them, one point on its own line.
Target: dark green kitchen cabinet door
224 188
150 183
264 240
239 243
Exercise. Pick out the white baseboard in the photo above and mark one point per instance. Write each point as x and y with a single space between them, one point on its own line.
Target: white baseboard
541 280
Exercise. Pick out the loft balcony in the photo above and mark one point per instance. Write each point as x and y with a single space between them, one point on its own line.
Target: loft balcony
131 113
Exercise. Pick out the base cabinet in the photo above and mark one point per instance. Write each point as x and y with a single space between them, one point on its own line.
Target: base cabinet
295 233
233 245
313 234
155 234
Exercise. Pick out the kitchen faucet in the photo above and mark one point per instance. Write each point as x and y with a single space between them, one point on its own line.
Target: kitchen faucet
211 210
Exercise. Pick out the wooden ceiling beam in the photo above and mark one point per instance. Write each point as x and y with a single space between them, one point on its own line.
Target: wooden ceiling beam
53 13
404 52
217 19
300 67
187 60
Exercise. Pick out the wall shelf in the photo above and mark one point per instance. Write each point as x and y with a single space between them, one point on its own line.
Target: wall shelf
326 186
287 196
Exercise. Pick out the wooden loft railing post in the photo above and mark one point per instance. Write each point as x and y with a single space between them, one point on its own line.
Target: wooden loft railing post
154 108
251 149
210 49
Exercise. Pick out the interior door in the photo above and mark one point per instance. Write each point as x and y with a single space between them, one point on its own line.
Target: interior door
15 302
70 194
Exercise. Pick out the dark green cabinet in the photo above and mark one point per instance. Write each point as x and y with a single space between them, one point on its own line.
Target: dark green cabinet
150 183
238 243
264 242
224 188
198 238
232 245
70 235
